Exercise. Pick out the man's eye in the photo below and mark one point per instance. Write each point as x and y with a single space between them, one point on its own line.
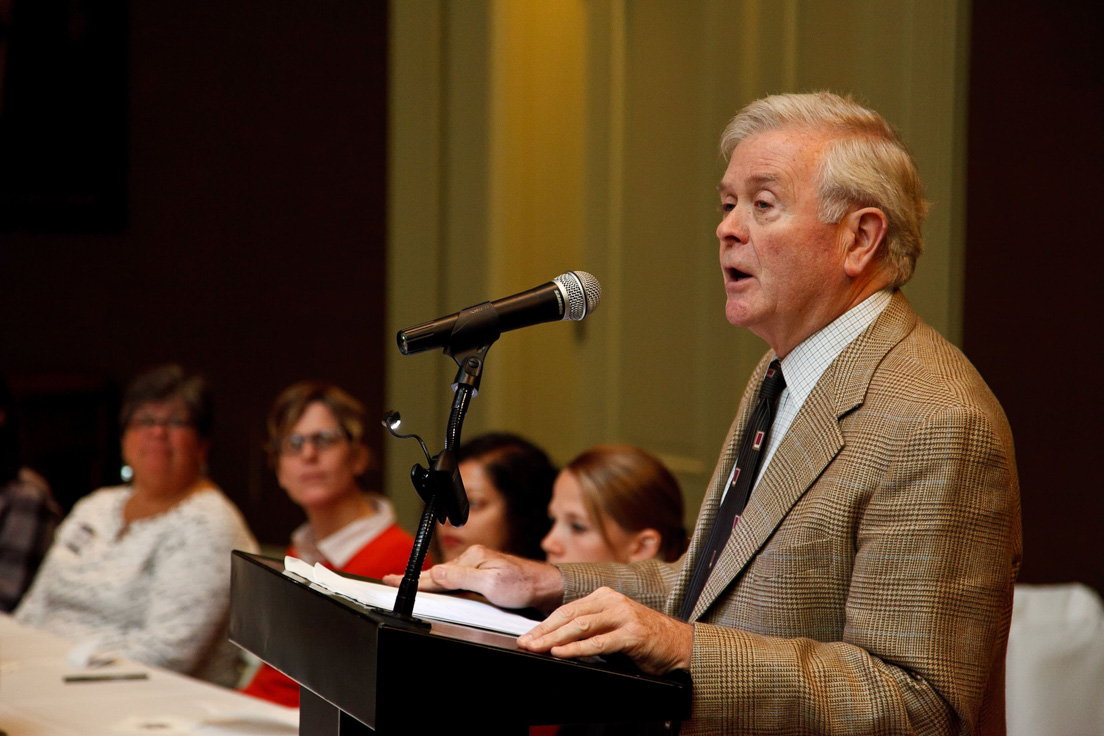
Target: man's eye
727 207
762 204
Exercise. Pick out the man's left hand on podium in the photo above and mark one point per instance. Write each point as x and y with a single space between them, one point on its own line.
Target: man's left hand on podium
504 580
606 622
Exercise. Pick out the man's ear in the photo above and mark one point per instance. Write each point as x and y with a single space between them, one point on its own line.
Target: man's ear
644 545
865 229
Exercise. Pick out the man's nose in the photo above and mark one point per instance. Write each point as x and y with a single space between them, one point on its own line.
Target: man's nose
731 227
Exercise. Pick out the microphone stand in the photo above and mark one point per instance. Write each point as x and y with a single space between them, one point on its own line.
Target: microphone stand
440 486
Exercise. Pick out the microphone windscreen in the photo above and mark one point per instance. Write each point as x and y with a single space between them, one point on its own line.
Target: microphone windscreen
583 293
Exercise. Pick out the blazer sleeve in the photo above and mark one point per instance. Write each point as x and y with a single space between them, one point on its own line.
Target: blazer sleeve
648 582
926 614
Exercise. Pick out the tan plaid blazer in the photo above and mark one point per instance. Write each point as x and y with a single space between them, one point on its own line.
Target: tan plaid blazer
868 585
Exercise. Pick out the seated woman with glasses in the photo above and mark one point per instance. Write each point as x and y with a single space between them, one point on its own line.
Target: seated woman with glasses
143 570
317 446
615 503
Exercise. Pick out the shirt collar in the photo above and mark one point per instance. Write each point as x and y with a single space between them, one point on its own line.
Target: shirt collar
342 545
806 363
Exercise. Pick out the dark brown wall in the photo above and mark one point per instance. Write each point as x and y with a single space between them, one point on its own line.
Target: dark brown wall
1034 265
254 241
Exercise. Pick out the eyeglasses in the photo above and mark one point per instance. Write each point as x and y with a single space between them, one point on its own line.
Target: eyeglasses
294 444
149 421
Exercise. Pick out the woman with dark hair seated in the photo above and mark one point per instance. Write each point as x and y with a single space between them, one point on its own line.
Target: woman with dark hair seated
143 570
615 503
509 483
28 513
317 446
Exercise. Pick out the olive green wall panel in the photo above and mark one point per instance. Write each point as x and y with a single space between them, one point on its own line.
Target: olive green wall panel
528 138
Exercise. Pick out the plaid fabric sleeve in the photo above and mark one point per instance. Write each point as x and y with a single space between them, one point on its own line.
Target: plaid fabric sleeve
28 518
648 582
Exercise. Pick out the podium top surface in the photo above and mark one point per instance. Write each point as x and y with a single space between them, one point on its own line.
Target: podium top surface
388 676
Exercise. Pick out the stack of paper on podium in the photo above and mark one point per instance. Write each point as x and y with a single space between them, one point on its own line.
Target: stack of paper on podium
426 605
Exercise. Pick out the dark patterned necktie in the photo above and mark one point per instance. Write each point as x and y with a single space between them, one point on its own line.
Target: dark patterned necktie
752 447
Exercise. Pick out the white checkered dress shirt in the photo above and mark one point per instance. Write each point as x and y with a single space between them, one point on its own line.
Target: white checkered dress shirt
806 363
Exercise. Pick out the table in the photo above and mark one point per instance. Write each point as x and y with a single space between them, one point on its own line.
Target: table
36 700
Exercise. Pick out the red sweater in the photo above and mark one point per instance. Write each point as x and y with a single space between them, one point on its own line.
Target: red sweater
387 553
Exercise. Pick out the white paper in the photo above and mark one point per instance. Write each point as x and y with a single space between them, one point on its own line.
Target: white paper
426 605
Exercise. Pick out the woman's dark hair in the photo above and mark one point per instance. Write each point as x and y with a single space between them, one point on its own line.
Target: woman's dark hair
9 435
524 475
166 383
635 490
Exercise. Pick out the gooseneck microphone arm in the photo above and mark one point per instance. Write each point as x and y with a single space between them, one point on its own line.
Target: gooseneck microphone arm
441 486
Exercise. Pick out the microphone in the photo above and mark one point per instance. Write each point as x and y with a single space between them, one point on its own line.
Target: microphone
571 296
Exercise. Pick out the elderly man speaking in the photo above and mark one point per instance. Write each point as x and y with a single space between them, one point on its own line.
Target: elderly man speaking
852 567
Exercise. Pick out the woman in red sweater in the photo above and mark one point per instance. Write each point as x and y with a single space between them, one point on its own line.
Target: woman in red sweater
316 444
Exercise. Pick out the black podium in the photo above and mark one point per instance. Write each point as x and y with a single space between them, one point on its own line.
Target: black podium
358 675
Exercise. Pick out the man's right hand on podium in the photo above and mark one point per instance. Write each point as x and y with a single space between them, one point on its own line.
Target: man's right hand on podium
504 580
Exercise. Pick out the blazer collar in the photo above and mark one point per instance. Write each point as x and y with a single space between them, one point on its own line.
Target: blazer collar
813 440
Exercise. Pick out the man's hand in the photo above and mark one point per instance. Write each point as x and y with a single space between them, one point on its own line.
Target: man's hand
606 622
504 580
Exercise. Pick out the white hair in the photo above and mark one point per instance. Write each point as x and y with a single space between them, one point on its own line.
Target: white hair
865 164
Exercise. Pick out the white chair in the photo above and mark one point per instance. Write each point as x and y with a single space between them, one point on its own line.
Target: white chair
1055 669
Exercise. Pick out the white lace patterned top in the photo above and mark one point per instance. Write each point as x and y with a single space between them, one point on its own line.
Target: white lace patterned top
160 594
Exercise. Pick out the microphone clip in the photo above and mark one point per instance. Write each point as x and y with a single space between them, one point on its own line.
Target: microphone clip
443 480
470 369
476 329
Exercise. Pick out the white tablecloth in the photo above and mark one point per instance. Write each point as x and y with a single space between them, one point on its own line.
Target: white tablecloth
35 699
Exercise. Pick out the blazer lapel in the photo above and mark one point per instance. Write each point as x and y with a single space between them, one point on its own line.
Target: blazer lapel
811 443
813 440
712 501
